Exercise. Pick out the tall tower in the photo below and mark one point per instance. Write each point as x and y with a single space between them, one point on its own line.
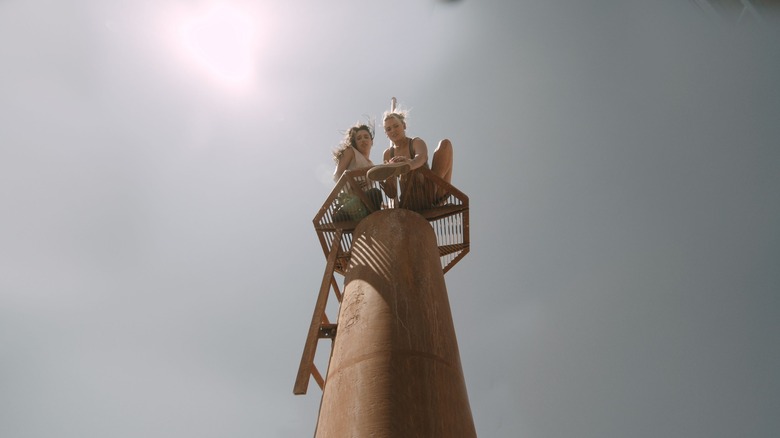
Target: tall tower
394 368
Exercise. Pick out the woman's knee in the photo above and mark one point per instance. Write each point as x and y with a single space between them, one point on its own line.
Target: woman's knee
444 145
442 156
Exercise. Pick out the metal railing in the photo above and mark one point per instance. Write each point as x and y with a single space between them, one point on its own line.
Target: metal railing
354 197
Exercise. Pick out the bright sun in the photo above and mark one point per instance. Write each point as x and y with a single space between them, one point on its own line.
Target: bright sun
222 41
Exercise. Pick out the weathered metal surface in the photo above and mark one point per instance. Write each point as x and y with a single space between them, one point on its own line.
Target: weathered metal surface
395 368
318 318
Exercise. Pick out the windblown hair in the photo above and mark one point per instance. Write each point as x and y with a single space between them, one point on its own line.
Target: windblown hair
400 114
349 138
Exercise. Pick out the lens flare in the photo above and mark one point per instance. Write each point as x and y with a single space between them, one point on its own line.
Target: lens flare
222 41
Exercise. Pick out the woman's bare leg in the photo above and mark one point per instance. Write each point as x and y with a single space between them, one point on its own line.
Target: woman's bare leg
441 164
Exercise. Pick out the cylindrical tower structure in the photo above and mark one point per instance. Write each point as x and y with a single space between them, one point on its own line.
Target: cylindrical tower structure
395 368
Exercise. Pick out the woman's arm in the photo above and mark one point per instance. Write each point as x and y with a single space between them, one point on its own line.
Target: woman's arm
419 160
386 155
343 164
421 149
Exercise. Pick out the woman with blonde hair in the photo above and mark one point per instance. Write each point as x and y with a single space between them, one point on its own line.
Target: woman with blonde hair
408 154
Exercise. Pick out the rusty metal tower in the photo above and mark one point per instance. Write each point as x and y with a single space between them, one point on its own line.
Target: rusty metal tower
394 368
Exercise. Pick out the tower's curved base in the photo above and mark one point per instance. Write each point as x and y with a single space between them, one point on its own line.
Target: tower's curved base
395 369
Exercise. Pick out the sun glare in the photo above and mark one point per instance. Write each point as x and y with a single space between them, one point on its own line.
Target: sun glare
222 41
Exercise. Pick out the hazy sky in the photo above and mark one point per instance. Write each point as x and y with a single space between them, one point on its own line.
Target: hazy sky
159 173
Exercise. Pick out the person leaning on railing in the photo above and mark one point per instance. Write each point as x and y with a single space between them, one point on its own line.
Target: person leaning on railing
408 154
354 153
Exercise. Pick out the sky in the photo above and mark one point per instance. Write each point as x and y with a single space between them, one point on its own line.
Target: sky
161 163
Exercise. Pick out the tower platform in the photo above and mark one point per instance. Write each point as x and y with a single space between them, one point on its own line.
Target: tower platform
448 213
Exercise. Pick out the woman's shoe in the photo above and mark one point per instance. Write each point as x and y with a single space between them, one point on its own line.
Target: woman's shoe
382 172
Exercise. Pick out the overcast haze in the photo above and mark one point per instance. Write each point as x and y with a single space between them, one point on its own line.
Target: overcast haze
158 264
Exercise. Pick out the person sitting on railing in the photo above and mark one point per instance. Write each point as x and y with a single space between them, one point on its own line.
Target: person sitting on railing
408 154
354 153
